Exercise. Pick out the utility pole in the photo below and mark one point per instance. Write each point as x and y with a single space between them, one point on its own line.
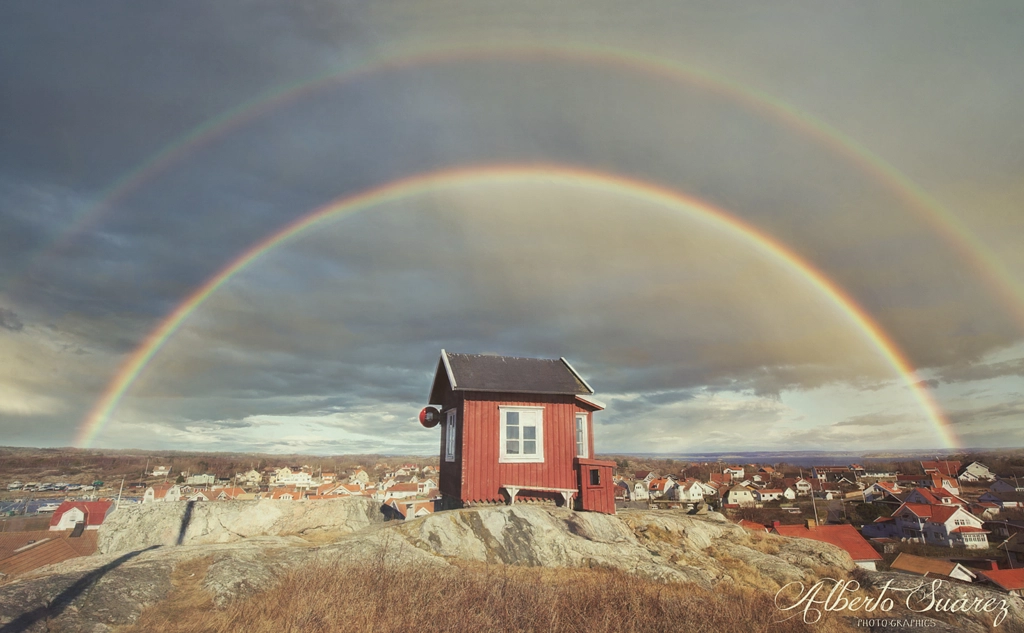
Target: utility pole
118 504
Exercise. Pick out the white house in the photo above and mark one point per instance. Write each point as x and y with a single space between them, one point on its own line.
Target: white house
739 495
976 471
200 480
161 471
941 525
640 492
426 486
288 477
694 490
158 493
773 494
800 485
252 477
735 472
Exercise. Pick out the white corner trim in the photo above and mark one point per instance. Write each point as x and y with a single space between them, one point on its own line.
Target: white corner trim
575 373
593 401
448 368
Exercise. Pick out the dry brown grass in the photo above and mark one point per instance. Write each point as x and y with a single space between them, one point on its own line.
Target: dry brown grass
765 543
470 597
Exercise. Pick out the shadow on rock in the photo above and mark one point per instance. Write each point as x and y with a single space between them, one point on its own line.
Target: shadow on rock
66 597
185 520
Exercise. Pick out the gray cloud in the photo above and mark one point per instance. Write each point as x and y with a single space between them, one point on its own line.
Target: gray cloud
10 321
872 420
966 372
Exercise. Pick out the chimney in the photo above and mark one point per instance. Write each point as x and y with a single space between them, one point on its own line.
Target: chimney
811 524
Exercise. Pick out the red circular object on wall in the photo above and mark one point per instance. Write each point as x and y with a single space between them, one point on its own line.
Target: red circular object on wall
430 417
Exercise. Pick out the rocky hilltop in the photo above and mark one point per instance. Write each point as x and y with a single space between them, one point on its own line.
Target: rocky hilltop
247 546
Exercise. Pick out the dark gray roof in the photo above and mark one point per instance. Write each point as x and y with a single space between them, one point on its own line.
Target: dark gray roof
1007 496
483 372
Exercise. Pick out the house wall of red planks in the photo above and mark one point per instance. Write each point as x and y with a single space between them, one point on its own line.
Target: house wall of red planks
483 475
476 475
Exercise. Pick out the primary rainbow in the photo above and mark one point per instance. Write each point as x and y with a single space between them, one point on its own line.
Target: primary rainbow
990 270
137 361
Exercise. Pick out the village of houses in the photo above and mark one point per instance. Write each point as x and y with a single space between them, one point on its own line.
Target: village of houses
974 515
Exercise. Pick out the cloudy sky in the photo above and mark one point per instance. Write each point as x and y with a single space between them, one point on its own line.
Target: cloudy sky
145 147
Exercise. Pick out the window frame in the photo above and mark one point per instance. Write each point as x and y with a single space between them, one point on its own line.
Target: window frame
585 441
503 456
450 433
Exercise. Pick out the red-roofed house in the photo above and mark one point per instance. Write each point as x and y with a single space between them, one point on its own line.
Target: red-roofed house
843 536
1009 580
71 513
773 494
947 468
753 526
881 490
286 493
941 481
401 491
942 525
720 478
230 494
934 496
924 566
408 510
516 426
158 493
659 488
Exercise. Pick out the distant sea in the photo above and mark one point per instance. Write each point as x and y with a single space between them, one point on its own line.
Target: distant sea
796 458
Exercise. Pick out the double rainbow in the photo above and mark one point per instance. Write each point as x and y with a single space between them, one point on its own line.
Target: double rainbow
697 210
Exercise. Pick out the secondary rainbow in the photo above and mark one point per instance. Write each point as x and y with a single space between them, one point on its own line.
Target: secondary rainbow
137 361
964 242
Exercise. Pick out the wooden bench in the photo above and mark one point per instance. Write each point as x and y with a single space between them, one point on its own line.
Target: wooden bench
567 493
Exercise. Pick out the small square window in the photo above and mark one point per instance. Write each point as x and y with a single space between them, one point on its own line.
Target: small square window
595 477
523 434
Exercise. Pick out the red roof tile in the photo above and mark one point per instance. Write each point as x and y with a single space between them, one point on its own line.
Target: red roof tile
922 565
935 513
844 536
94 511
1007 579
404 488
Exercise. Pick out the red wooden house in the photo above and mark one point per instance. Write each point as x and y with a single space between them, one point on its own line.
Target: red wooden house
518 428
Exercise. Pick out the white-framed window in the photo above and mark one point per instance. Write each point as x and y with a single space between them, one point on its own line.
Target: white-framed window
960 522
522 434
449 436
581 435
